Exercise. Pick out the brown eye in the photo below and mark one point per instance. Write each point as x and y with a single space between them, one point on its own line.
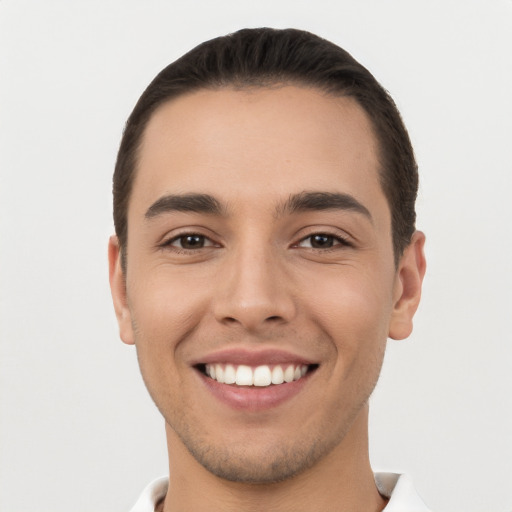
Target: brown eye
321 241
190 242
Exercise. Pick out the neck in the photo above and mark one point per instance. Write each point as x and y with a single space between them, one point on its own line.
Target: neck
341 481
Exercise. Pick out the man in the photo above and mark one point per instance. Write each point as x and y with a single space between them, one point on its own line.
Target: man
265 250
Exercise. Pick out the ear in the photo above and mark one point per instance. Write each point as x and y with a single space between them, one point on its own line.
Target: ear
118 289
407 288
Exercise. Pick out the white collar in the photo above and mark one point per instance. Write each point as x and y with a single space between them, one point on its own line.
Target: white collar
398 488
401 493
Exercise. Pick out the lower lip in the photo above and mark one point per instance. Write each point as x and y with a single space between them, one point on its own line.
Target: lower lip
254 398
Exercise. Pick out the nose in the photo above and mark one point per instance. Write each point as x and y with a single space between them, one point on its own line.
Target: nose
254 291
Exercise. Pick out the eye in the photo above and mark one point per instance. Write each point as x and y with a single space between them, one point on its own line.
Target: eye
322 241
189 241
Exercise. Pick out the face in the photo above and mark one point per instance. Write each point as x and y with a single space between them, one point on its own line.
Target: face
260 286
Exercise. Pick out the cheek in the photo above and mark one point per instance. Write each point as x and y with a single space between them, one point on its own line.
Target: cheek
164 312
357 325
354 309
164 309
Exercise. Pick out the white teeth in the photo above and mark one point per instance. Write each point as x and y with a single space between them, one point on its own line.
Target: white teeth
262 376
288 374
229 374
219 373
244 376
278 375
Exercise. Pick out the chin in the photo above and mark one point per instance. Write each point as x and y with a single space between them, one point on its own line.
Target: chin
259 459
265 466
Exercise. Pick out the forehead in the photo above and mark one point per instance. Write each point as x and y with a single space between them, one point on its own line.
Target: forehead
261 143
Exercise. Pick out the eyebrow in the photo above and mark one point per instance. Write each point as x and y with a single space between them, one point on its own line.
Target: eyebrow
301 202
317 201
196 203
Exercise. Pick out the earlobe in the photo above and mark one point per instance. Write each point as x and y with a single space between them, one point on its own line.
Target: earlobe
118 290
407 289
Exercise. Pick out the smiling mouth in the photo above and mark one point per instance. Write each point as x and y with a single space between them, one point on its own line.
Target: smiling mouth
259 376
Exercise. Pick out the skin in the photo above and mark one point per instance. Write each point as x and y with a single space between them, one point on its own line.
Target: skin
262 281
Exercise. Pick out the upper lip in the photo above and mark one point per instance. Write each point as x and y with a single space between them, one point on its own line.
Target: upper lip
237 356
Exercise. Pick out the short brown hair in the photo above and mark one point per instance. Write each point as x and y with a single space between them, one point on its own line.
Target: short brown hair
260 58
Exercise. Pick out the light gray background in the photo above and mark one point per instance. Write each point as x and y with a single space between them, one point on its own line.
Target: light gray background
77 429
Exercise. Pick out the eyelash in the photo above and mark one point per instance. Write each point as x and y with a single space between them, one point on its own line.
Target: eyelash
337 240
168 244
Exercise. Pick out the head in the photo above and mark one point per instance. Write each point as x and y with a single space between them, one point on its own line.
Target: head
264 58
265 250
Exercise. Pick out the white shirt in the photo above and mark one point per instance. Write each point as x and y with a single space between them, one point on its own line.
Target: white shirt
398 488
